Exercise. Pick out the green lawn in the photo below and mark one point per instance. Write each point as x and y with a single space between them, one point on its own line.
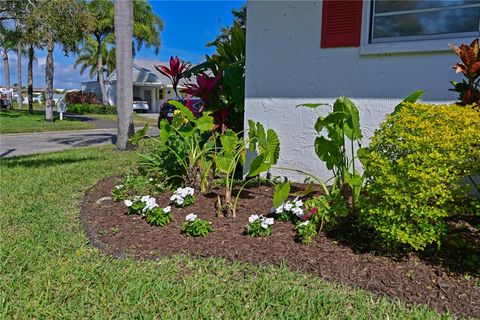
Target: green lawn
138 119
17 121
49 271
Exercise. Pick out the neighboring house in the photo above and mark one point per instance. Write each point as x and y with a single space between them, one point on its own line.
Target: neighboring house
375 52
148 84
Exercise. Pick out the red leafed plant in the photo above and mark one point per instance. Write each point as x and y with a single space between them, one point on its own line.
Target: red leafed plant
470 67
175 73
204 88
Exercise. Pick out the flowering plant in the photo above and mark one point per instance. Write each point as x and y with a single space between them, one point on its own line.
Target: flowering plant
306 231
119 192
175 72
183 197
140 204
194 227
290 210
259 226
159 217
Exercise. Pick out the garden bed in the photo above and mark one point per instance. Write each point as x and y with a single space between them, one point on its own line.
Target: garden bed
410 279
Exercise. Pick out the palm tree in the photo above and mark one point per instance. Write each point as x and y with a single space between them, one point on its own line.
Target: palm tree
124 57
146 32
88 57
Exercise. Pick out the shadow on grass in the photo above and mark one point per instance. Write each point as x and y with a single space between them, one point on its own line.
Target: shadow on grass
41 161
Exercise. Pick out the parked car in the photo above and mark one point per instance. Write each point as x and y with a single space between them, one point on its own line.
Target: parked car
194 104
140 105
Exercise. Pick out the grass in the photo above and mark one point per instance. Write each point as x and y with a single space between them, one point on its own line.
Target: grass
19 121
49 271
138 119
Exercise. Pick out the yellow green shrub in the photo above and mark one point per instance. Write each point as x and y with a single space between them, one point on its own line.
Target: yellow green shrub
413 172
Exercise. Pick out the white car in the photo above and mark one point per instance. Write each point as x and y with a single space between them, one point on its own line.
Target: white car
140 105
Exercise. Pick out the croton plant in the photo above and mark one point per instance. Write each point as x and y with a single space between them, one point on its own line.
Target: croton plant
470 68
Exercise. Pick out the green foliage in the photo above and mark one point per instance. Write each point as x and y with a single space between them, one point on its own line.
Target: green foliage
159 217
233 152
327 210
341 124
81 108
259 226
282 191
197 228
413 169
306 231
136 206
184 150
42 251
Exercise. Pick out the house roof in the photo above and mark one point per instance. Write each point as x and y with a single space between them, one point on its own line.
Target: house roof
147 73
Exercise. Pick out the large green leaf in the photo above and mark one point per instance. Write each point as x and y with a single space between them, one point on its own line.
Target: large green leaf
312 105
282 191
186 130
205 123
252 135
327 151
352 121
273 146
166 130
185 111
229 141
412 98
139 135
258 166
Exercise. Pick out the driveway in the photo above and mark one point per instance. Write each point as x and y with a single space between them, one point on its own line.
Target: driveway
31 143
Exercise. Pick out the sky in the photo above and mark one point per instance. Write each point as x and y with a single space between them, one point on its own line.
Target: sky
189 25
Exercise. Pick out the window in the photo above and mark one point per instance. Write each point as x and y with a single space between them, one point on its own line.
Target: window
418 20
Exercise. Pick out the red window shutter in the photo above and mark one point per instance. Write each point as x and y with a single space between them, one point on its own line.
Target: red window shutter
341 23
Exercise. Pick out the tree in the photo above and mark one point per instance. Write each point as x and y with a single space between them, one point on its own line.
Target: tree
146 32
63 22
123 40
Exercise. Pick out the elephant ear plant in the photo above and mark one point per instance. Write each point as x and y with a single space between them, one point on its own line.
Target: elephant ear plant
191 141
337 148
266 146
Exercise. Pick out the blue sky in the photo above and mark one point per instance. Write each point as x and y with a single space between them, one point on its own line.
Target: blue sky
189 25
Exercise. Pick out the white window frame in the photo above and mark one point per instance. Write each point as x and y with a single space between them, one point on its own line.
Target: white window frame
427 43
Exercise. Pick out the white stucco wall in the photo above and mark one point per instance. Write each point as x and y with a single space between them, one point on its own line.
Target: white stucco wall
285 66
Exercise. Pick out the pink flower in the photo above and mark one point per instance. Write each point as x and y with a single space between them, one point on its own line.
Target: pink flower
175 73
204 87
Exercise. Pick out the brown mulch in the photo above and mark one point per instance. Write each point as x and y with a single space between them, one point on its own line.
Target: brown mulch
410 279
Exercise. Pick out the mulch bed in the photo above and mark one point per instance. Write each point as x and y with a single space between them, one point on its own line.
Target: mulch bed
410 279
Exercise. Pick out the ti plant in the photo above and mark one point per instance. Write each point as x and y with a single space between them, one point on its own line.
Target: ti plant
233 152
337 149
468 89
195 138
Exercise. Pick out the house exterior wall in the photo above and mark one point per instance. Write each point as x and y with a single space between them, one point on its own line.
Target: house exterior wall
285 66
93 87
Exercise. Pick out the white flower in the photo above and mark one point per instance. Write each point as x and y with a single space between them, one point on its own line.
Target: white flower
167 209
128 203
298 212
304 223
120 186
280 209
151 179
298 203
150 204
264 225
253 218
288 206
145 198
173 197
191 217
268 221
179 201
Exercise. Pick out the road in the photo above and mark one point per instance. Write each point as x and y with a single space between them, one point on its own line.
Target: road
31 143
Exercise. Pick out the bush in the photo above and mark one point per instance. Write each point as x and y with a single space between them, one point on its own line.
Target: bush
74 97
82 108
413 172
